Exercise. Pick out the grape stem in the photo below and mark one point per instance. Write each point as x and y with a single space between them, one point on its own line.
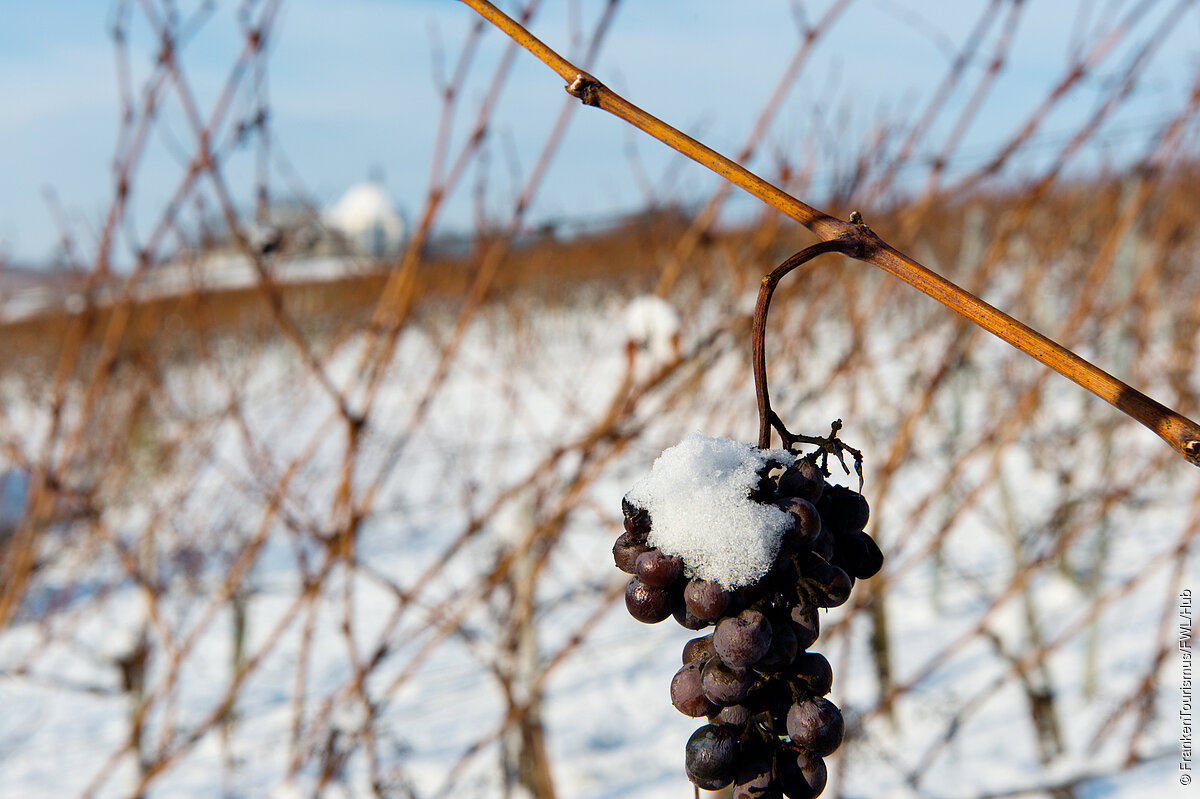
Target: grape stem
767 418
856 240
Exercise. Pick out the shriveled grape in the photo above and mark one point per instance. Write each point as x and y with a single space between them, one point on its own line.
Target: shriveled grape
755 780
706 599
806 624
812 672
647 603
736 715
742 640
859 555
844 510
800 774
724 685
711 756
802 479
701 647
829 584
637 520
626 551
687 691
658 569
825 544
688 620
806 522
816 725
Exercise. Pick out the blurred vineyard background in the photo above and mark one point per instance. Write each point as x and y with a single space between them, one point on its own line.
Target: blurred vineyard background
286 512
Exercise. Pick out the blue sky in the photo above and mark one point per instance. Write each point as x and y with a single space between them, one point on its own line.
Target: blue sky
351 91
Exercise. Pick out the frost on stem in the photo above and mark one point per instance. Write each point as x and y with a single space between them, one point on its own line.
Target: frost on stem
699 494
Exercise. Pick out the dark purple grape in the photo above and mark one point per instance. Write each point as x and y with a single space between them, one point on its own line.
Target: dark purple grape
800 774
806 624
873 558
816 725
637 520
835 588
806 522
701 647
812 672
802 479
687 693
647 603
824 545
687 620
737 715
755 780
706 599
657 568
858 511
830 585
858 554
626 551
783 649
843 510
724 685
711 756
742 640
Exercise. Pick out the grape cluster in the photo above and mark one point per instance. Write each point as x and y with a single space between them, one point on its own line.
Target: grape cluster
753 678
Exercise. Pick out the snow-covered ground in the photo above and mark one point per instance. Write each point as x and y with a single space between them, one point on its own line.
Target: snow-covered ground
174 279
1042 557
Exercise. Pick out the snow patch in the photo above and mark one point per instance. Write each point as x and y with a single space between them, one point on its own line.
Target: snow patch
698 497
652 324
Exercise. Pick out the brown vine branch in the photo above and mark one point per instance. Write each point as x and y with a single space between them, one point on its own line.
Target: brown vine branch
859 242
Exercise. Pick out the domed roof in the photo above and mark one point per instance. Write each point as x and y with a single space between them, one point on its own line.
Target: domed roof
364 208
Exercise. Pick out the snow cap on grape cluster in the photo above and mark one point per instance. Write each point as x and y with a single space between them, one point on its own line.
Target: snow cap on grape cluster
697 494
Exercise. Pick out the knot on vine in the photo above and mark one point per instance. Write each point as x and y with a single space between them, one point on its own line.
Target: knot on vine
586 88
857 239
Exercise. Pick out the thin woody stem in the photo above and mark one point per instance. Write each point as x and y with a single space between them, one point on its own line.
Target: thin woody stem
766 417
592 92
1181 433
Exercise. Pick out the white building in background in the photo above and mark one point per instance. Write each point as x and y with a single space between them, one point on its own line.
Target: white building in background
367 219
